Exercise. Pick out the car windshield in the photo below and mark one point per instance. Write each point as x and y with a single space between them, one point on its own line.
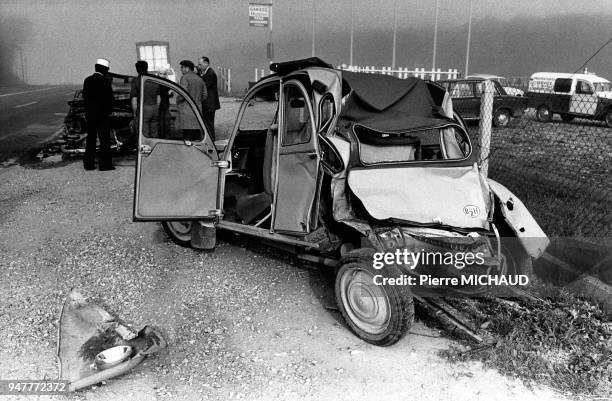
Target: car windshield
603 87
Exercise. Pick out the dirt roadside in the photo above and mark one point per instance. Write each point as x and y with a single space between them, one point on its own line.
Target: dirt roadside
243 322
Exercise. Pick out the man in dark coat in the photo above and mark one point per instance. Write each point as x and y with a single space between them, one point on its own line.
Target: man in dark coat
99 99
211 104
197 90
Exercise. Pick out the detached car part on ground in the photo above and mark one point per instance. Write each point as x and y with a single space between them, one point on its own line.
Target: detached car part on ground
467 98
336 166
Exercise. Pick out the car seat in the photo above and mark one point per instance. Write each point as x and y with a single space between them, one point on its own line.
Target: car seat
249 207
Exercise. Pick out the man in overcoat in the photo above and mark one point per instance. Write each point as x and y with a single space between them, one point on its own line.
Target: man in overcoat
197 90
211 104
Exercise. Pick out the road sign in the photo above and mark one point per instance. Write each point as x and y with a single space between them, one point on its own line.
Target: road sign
259 14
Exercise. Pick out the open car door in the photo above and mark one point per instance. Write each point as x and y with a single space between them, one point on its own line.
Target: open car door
298 162
177 170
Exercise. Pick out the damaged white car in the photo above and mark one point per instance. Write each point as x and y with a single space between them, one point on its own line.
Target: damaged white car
338 167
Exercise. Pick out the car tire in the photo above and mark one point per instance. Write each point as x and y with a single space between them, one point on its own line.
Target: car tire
501 118
608 118
567 118
378 314
179 232
543 114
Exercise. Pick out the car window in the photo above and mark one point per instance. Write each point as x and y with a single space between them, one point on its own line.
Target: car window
297 123
583 87
563 85
479 88
167 114
327 109
435 144
462 89
260 109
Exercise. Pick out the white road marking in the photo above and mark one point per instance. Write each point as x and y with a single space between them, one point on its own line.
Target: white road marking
60 114
70 93
21 93
24 105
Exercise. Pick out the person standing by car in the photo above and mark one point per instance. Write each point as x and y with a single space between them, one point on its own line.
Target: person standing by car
151 101
211 104
99 99
194 85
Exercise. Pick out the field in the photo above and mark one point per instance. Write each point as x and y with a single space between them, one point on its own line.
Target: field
561 171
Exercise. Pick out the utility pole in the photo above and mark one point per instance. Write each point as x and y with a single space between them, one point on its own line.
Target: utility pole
23 77
467 52
271 55
352 29
313 27
435 43
394 34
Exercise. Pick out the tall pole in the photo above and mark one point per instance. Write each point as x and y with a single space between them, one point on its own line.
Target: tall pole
23 78
394 34
313 27
352 28
271 45
467 52
435 43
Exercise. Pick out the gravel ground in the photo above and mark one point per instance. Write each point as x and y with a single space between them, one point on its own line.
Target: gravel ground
242 322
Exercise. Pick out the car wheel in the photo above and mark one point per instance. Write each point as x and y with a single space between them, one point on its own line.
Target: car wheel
501 118
543 114
609 118
567 118
378 314
179 232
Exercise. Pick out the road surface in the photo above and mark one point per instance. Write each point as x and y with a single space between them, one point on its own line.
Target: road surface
29 116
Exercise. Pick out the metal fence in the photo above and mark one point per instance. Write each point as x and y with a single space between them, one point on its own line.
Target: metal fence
556 156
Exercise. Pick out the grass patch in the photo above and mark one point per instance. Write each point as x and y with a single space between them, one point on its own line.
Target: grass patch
561 341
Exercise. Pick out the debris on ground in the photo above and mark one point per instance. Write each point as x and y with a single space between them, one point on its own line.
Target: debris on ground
560 340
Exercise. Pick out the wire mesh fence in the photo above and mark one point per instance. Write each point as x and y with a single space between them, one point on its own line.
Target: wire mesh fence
552 147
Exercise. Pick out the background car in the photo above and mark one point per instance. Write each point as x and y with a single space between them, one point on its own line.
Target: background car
467 95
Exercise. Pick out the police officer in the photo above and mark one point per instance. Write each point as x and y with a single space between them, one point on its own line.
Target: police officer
99 98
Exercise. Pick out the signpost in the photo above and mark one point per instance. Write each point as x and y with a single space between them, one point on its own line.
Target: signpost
260 15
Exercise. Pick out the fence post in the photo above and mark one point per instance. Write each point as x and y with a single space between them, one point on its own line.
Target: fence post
484 128
229 81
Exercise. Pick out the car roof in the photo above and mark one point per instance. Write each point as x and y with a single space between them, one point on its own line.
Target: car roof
555 75
484 76
460 80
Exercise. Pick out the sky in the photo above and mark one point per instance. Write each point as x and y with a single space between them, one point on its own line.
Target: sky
59 40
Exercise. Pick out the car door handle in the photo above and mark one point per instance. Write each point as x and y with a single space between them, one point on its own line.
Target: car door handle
145 149
312 155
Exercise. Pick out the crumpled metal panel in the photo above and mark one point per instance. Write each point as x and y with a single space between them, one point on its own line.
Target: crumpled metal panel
449 196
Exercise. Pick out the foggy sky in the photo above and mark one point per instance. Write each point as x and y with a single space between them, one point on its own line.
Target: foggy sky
64 37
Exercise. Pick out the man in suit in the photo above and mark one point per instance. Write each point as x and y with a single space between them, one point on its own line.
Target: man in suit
99 99
197 90
211 104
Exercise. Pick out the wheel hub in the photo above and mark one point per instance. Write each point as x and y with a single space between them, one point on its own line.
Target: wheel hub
365 303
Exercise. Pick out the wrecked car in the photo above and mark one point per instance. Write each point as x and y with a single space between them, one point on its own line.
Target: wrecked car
122 133
336 167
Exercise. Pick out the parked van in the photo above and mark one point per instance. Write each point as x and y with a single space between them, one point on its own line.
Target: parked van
570 95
